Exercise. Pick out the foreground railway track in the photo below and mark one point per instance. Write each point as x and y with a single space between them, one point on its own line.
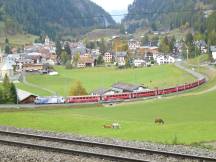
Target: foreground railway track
90 149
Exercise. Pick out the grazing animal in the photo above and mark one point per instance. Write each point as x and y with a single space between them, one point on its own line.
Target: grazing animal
107 126
159 121
115 126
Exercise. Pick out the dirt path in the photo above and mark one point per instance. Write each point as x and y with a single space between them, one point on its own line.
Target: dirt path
36 86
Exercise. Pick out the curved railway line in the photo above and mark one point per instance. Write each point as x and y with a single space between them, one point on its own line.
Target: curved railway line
82 147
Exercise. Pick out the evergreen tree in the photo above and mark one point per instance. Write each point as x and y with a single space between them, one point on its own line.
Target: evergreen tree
189 39
6 89
76 58
7 46
100 60
145 40
165 46
13 94
58 48
102 46
77 89
67 49
64 57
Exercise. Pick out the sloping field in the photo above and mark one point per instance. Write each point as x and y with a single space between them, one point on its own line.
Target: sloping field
94 78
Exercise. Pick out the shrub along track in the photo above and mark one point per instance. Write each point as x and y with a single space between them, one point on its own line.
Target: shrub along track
92 149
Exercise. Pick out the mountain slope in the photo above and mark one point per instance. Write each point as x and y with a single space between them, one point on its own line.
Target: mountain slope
55 17
165 14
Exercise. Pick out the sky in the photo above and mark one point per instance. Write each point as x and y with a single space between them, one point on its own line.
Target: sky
114 5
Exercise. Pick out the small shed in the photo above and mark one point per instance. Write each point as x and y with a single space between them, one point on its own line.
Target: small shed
25 97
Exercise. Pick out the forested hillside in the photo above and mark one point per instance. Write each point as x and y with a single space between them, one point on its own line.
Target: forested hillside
169 14
53 17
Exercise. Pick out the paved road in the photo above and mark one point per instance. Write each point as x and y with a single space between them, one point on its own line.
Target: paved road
192 72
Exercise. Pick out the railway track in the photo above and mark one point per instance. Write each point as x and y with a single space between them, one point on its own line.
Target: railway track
91 149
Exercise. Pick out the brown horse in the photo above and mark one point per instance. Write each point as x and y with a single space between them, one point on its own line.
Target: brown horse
159 121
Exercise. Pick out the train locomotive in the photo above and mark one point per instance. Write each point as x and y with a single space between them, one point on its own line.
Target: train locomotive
118 96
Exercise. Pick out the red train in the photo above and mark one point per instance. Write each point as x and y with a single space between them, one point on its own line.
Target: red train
127 96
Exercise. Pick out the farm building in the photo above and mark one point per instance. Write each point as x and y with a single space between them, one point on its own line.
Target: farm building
125 87
25 97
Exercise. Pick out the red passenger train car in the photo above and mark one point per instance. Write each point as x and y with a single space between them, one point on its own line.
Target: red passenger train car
167 91
83 99
116 97
144 94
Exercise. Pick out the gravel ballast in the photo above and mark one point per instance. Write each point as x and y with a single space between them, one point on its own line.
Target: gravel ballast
10 153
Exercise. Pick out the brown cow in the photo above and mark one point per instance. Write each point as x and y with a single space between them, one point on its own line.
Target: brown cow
107 126
159 121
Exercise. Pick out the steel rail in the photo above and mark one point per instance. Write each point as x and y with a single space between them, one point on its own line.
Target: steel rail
102 145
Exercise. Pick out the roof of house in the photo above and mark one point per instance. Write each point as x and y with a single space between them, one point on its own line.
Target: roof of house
121 54
84 60
126 86
213 48
100 91
22 95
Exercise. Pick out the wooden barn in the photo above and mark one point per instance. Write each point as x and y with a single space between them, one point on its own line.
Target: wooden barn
25 97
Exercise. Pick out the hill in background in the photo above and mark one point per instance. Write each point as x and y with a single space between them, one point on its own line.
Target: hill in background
54 17
168 14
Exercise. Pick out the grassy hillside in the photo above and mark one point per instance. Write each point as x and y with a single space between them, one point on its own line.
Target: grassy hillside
18 40
189 119
94 78
101 33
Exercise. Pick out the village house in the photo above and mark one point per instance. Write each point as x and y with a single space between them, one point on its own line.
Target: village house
1 57
7 69
33 67
139 63
85 61
77 48
213 51
121 58
133 44
165 59
108 57
202 45
102 91
148 52
125 87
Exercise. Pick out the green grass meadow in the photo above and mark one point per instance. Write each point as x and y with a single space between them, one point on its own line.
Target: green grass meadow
18 40
94 78
190 119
